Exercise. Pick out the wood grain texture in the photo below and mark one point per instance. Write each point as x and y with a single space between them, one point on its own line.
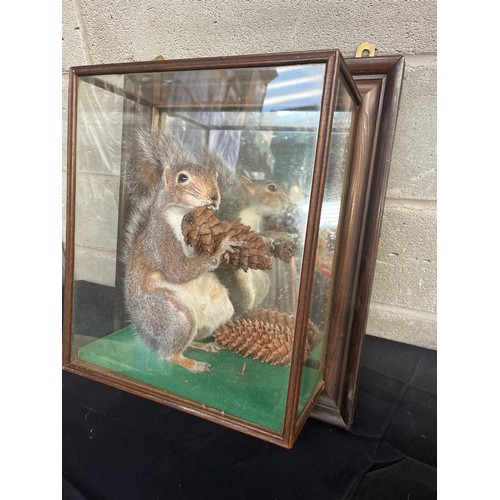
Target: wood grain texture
379 79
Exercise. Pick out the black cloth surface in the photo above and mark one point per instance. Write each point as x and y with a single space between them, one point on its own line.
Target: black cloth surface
119 446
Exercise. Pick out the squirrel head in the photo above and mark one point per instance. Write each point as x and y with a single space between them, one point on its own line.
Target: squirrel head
191 186
266 195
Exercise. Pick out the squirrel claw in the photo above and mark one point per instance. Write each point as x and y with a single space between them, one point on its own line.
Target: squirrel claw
269 242
201 366
227 245
234 244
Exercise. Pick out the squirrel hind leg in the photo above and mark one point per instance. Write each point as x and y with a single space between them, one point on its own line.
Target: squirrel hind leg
168 326
190 364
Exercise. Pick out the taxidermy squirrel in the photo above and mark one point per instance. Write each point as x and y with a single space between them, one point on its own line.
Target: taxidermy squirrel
251 201
171 296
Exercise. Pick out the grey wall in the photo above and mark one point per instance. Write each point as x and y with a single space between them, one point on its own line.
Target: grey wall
404 297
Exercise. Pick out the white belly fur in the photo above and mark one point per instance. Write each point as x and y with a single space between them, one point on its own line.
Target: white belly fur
256 283
208 301
206 297
174 217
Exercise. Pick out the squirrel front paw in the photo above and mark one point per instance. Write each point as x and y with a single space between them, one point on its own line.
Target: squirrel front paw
228 245
269 242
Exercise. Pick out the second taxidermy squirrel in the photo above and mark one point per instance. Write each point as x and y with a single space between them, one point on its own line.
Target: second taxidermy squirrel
170 294
250 201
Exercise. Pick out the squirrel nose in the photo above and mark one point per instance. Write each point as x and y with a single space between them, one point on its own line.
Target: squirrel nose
215 199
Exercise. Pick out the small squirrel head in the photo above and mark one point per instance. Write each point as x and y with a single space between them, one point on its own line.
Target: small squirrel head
265 195
191 186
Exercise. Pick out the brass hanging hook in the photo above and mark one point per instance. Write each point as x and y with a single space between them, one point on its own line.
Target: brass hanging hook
365 46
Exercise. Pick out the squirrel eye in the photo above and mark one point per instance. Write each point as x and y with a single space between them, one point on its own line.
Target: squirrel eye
182 178
272 187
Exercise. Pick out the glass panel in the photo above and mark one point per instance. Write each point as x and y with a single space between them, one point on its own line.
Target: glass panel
98 146
341 141
152 295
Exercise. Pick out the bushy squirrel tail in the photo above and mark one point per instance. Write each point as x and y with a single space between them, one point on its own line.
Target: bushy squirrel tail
152 152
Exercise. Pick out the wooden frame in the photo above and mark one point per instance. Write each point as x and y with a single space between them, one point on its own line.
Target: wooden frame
379 81
377 84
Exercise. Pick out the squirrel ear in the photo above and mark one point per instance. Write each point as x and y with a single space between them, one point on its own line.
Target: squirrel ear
247 184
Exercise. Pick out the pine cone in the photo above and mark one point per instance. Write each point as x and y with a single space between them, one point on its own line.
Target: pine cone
204 231
285 321
267 342
263 334
284 245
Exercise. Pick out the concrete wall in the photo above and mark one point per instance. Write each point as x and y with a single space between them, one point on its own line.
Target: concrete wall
404 297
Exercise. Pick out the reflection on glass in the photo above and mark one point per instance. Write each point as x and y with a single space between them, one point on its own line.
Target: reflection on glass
99 126
258 127
341 140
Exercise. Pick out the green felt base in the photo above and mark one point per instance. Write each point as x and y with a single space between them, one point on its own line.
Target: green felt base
258 395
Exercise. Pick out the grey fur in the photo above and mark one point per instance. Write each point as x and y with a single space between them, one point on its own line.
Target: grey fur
157 265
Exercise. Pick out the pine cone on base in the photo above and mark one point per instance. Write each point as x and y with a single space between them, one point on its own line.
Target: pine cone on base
204 231
286 321
263 334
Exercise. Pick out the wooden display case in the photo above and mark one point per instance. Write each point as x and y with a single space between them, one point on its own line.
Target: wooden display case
310 125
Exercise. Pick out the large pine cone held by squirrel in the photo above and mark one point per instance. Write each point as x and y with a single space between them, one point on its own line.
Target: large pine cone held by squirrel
203 231
265 335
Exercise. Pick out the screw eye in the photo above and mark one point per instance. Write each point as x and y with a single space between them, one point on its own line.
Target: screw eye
182 178
272 187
